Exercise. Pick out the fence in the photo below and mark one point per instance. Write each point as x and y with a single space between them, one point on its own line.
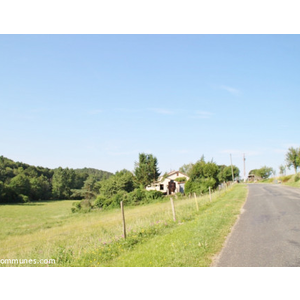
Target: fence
184 205
104 227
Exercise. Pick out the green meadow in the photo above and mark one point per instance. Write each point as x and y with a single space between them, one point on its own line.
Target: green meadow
48 230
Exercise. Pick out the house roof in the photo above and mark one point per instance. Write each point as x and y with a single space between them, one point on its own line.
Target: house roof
174 172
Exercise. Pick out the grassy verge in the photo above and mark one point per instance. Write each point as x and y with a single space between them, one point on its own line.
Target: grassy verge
50 231
191 242
289 180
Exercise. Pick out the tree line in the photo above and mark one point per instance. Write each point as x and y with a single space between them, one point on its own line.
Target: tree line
20 182
130 186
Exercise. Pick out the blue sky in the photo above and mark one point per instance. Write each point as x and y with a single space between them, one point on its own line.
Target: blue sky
100 100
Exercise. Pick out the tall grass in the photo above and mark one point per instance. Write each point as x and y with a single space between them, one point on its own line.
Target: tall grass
49 230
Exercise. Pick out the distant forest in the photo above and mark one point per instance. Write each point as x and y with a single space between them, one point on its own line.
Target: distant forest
20 182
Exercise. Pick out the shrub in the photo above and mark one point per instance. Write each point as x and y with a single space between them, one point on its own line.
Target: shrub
23 198
82 206
200 185
136 196
100 201
151 196
114 201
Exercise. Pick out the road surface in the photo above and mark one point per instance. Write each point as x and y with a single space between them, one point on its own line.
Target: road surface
268 231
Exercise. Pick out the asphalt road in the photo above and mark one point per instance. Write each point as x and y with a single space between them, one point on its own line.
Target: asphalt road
267 233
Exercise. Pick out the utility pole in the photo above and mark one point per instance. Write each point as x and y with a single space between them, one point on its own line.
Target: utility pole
231 168
244 168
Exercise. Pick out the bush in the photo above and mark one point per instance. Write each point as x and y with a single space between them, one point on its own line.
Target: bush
100 201
151 196
200 185
114 202
23 198
82 206
135 197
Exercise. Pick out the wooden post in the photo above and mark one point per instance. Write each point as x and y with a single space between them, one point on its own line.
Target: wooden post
210 193
123 216
197 207
173 210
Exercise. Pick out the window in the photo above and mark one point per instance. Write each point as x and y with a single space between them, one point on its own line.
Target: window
161 187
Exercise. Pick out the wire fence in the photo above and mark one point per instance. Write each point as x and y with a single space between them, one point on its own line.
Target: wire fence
131 219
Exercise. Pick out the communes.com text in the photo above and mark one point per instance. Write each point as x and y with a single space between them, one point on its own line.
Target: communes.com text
27 261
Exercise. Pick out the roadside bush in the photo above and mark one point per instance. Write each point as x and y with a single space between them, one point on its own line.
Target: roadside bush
200 185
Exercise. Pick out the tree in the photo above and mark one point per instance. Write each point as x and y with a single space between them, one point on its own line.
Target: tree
225 173
282 169
20 184
40 188
146 170
62 183
89 189
293 158
122 181
202 176
264 172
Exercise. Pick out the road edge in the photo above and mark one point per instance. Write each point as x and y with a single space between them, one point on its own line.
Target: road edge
217 256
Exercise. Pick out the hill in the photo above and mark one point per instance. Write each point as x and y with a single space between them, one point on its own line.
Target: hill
21 182
98 174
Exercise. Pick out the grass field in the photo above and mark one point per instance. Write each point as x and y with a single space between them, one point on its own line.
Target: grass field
48 230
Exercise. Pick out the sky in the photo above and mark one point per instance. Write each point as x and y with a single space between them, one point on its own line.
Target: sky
99 100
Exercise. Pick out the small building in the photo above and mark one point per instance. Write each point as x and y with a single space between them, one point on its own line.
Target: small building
253 178
169 184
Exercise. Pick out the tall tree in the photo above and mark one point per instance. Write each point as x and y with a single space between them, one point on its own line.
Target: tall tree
20 185
146 170
60 184
293 158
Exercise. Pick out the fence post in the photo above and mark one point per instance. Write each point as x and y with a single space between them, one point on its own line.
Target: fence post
123 216
197 207
173 210
210 193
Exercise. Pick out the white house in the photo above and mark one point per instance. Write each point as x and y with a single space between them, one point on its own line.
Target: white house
172 183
